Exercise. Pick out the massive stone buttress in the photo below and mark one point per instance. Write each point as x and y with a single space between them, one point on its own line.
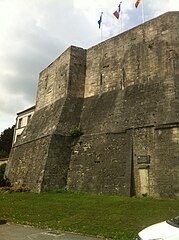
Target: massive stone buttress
124 94
41 157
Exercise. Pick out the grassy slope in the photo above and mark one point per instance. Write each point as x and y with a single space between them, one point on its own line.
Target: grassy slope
110 216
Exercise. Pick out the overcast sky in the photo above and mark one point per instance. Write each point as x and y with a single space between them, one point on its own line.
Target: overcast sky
33 33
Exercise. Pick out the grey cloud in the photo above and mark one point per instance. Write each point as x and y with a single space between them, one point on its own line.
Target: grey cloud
35 47
38 32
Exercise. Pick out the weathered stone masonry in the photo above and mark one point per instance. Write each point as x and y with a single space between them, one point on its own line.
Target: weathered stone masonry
124 94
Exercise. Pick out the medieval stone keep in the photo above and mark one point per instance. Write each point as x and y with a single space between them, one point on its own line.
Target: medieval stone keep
124 95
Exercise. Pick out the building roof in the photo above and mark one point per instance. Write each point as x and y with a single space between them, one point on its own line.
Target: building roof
27 110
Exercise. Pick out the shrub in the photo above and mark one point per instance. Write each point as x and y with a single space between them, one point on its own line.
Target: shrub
3 154
3 180
76 132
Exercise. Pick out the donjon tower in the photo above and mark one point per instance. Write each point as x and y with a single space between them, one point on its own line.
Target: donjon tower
124 95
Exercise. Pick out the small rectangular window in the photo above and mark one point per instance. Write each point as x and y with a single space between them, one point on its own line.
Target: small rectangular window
20 123
28 118
18 136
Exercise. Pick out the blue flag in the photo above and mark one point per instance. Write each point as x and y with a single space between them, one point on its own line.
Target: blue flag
100 20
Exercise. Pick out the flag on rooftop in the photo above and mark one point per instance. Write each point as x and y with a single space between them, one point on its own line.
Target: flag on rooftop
116 13
100 20
137 3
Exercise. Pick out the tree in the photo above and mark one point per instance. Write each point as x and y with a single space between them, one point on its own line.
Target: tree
3 180
6 138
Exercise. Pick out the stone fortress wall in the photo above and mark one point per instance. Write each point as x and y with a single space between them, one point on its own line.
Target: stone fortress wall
124 94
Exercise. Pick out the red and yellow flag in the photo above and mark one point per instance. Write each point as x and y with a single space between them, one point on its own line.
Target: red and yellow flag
137 3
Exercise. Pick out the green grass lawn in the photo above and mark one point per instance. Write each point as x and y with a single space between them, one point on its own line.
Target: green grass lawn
109 216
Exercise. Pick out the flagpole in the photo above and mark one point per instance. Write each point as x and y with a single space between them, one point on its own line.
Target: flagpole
143 19
101 31
121 17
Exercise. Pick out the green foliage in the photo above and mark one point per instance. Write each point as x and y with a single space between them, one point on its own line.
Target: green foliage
98 215
3 154
76 132
6 138
3 180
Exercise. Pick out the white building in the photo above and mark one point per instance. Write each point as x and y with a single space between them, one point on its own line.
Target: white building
22 120
3 161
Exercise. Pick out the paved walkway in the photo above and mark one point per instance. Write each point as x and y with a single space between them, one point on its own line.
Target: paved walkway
20 232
